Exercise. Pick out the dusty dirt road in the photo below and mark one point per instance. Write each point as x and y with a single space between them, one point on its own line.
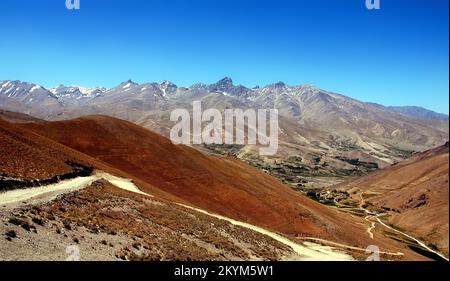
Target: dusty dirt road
376 216
307 251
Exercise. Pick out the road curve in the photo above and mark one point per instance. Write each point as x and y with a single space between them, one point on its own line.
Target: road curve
48 192
377 217
308 251
311 251
410 237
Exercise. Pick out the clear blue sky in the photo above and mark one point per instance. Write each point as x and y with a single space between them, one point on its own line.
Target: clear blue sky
394 56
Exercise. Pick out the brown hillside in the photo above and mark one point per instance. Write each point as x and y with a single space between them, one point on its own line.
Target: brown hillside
415 194
221 185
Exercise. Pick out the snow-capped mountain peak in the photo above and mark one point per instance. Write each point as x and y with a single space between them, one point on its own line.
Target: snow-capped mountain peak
70 94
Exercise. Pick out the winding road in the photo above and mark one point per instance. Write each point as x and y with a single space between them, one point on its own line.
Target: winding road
376 216
311 251
308 251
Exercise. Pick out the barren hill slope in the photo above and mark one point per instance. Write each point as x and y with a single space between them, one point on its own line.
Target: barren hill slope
29 157
414 193
217 184
105 222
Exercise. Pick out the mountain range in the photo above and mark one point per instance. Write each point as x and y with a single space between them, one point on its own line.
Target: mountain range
322 134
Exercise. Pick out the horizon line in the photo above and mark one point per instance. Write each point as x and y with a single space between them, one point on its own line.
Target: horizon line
225 77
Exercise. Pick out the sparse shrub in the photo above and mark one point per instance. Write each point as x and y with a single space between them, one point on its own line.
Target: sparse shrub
25 225
38 221
15 221
10 234
136 245
328 202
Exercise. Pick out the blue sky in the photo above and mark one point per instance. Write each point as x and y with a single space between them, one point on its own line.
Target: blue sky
397 55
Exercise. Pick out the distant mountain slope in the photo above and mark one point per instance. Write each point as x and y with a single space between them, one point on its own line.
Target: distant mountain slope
75 95
419 112
15 117
28 98
327 133
415 193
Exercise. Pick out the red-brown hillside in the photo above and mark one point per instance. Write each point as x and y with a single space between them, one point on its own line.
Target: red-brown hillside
416 193
221 185
27 156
